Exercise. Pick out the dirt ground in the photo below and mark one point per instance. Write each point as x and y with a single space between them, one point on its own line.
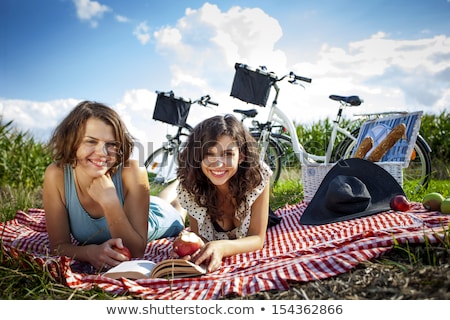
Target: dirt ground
419 275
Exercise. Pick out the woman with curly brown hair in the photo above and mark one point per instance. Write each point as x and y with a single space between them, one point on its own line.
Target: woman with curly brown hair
96 195
225 189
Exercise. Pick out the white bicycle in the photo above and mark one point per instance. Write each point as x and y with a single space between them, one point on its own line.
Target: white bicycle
253 86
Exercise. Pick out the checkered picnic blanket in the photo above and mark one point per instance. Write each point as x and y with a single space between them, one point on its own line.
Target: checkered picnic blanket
293 252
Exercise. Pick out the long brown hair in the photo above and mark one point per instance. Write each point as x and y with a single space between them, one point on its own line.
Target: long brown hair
205 136
67 136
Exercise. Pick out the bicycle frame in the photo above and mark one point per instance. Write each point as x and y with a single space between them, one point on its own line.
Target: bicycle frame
303 156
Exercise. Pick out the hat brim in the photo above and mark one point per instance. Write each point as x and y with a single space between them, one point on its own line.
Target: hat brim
381 184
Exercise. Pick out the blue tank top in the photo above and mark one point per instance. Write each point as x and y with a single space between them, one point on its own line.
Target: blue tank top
84 228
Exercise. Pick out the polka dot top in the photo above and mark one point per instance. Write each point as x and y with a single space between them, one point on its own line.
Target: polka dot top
205 225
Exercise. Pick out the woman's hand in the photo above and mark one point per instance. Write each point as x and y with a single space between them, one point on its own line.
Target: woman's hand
102 189
104 256
210 254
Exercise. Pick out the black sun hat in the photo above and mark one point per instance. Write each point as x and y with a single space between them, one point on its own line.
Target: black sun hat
353 188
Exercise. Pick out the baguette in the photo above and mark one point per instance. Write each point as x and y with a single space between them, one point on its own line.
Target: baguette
387 143
364 147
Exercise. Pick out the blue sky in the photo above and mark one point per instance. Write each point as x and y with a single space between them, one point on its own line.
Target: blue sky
54 53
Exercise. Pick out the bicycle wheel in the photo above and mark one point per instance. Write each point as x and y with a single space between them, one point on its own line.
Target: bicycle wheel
162 165
272 157
345 148
289 158
418 172
416 175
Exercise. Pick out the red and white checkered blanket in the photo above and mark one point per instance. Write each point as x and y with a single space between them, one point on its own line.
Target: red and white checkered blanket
293 252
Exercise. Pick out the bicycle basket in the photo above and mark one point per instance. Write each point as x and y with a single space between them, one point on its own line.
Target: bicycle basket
170 109
252 86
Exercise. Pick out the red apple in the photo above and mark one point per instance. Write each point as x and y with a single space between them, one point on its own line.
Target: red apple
186 243
400 203
125 251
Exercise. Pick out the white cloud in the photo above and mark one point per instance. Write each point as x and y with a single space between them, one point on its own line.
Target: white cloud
141 32
121 18
90 11
169 38
206 43
39 118
389 74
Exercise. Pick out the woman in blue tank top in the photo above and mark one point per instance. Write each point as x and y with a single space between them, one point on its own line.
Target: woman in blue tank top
95 197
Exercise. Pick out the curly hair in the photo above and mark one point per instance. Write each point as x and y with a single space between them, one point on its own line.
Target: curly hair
68 135
203 137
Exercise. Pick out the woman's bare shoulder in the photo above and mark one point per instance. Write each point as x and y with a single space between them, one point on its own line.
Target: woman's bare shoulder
53 183
54 171
133 173
132 167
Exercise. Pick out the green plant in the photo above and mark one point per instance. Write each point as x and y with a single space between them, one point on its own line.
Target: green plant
436 129
13 199
22 159
426 253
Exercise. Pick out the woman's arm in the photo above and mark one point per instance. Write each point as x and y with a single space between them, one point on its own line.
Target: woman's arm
57 220
129 223
213 252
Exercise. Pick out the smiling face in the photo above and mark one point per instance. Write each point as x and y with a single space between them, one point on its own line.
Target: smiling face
97 151
221 161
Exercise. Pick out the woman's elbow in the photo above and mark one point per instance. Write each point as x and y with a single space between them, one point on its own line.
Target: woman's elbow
139 251
138 248
261 242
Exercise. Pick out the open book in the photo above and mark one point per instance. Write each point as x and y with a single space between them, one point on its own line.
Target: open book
171 268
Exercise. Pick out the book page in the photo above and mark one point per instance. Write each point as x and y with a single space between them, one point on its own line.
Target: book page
133 269
177 268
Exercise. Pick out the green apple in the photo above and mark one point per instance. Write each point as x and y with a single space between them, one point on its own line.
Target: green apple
445 206
432 201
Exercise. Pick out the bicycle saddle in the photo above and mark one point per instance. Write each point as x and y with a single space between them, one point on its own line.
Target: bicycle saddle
351 100
248 113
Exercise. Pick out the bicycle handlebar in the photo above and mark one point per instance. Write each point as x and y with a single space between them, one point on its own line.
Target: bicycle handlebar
296 77
273 77
205 100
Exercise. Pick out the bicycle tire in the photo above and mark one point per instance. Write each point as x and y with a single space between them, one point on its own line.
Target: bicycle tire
289 158
417 174
272 157
345 148
162 164
419 169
